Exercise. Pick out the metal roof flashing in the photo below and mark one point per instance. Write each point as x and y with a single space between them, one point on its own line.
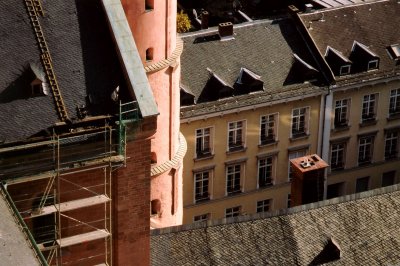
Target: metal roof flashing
130 58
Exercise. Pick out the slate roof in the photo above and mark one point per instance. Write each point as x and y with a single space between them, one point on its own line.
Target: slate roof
374 25
364 225
264 47
84 59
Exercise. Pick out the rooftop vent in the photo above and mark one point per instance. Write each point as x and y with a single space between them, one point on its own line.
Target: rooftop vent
306 163
225 31
204 19
308 8
331 252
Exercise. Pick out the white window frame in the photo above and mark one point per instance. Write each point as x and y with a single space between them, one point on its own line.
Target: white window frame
233 211
394 102
342 107
199 178
343 68
270 132
368 104
237 132
203 136
375 62
266 165
335 153
232 172
297 117
292 155
262 204
364 144
201 218
392 137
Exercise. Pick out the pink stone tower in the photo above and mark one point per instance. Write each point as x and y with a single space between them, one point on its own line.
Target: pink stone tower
153 24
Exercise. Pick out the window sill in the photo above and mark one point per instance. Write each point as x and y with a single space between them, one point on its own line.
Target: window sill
235 150
391 158
202 200
203 157
234 193
341 128
268 143
147 10
393 117
338 168
364 163
266 186
298 137
369 122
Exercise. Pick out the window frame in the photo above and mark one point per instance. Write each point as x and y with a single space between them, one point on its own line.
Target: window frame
365 159
338 164
342 73
270 165
234 211
204 184
236 144
375 62
236 179
394 141
394 102
201 137
262 204
268 134
201 217
342 110
369 115
305 128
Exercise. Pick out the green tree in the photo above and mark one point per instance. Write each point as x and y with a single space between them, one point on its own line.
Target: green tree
182 22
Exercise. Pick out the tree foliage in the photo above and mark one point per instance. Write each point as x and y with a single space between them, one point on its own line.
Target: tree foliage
182 22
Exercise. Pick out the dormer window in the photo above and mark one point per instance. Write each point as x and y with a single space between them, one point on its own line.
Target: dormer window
345 70
248 82
373 64
394 51
306 71
339 64
363 58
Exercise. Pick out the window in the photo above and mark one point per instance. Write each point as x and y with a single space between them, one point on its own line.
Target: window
263 205
233 173
149 5
268 128
299 122
388 178
201 186
203 142
369 107
344 70
201 217
373 64
265 172
341 113
292 155
236 135
365 149
391 145
337 155
394 105
289 200
232 212
335 190
155 207
149 54
362 184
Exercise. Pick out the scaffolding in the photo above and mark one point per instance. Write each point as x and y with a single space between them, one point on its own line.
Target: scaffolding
53 163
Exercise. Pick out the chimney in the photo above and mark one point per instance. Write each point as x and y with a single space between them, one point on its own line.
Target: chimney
225 31
204 19
308 179
309 8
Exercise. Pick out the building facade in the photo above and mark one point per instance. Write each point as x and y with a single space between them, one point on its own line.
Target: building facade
350 119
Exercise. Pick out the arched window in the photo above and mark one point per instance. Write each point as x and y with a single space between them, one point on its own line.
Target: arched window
149 54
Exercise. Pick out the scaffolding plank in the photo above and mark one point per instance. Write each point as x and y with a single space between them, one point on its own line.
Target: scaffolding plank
74 204
81 238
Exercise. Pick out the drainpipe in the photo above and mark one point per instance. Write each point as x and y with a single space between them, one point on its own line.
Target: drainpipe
323 145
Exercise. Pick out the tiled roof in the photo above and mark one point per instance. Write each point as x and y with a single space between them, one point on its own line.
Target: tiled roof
83 57
364 225
265 48
374 25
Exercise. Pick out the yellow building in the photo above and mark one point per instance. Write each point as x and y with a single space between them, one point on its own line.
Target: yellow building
249 118
364 122
271 91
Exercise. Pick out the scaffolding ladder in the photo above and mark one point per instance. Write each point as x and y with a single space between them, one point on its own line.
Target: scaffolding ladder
34 8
